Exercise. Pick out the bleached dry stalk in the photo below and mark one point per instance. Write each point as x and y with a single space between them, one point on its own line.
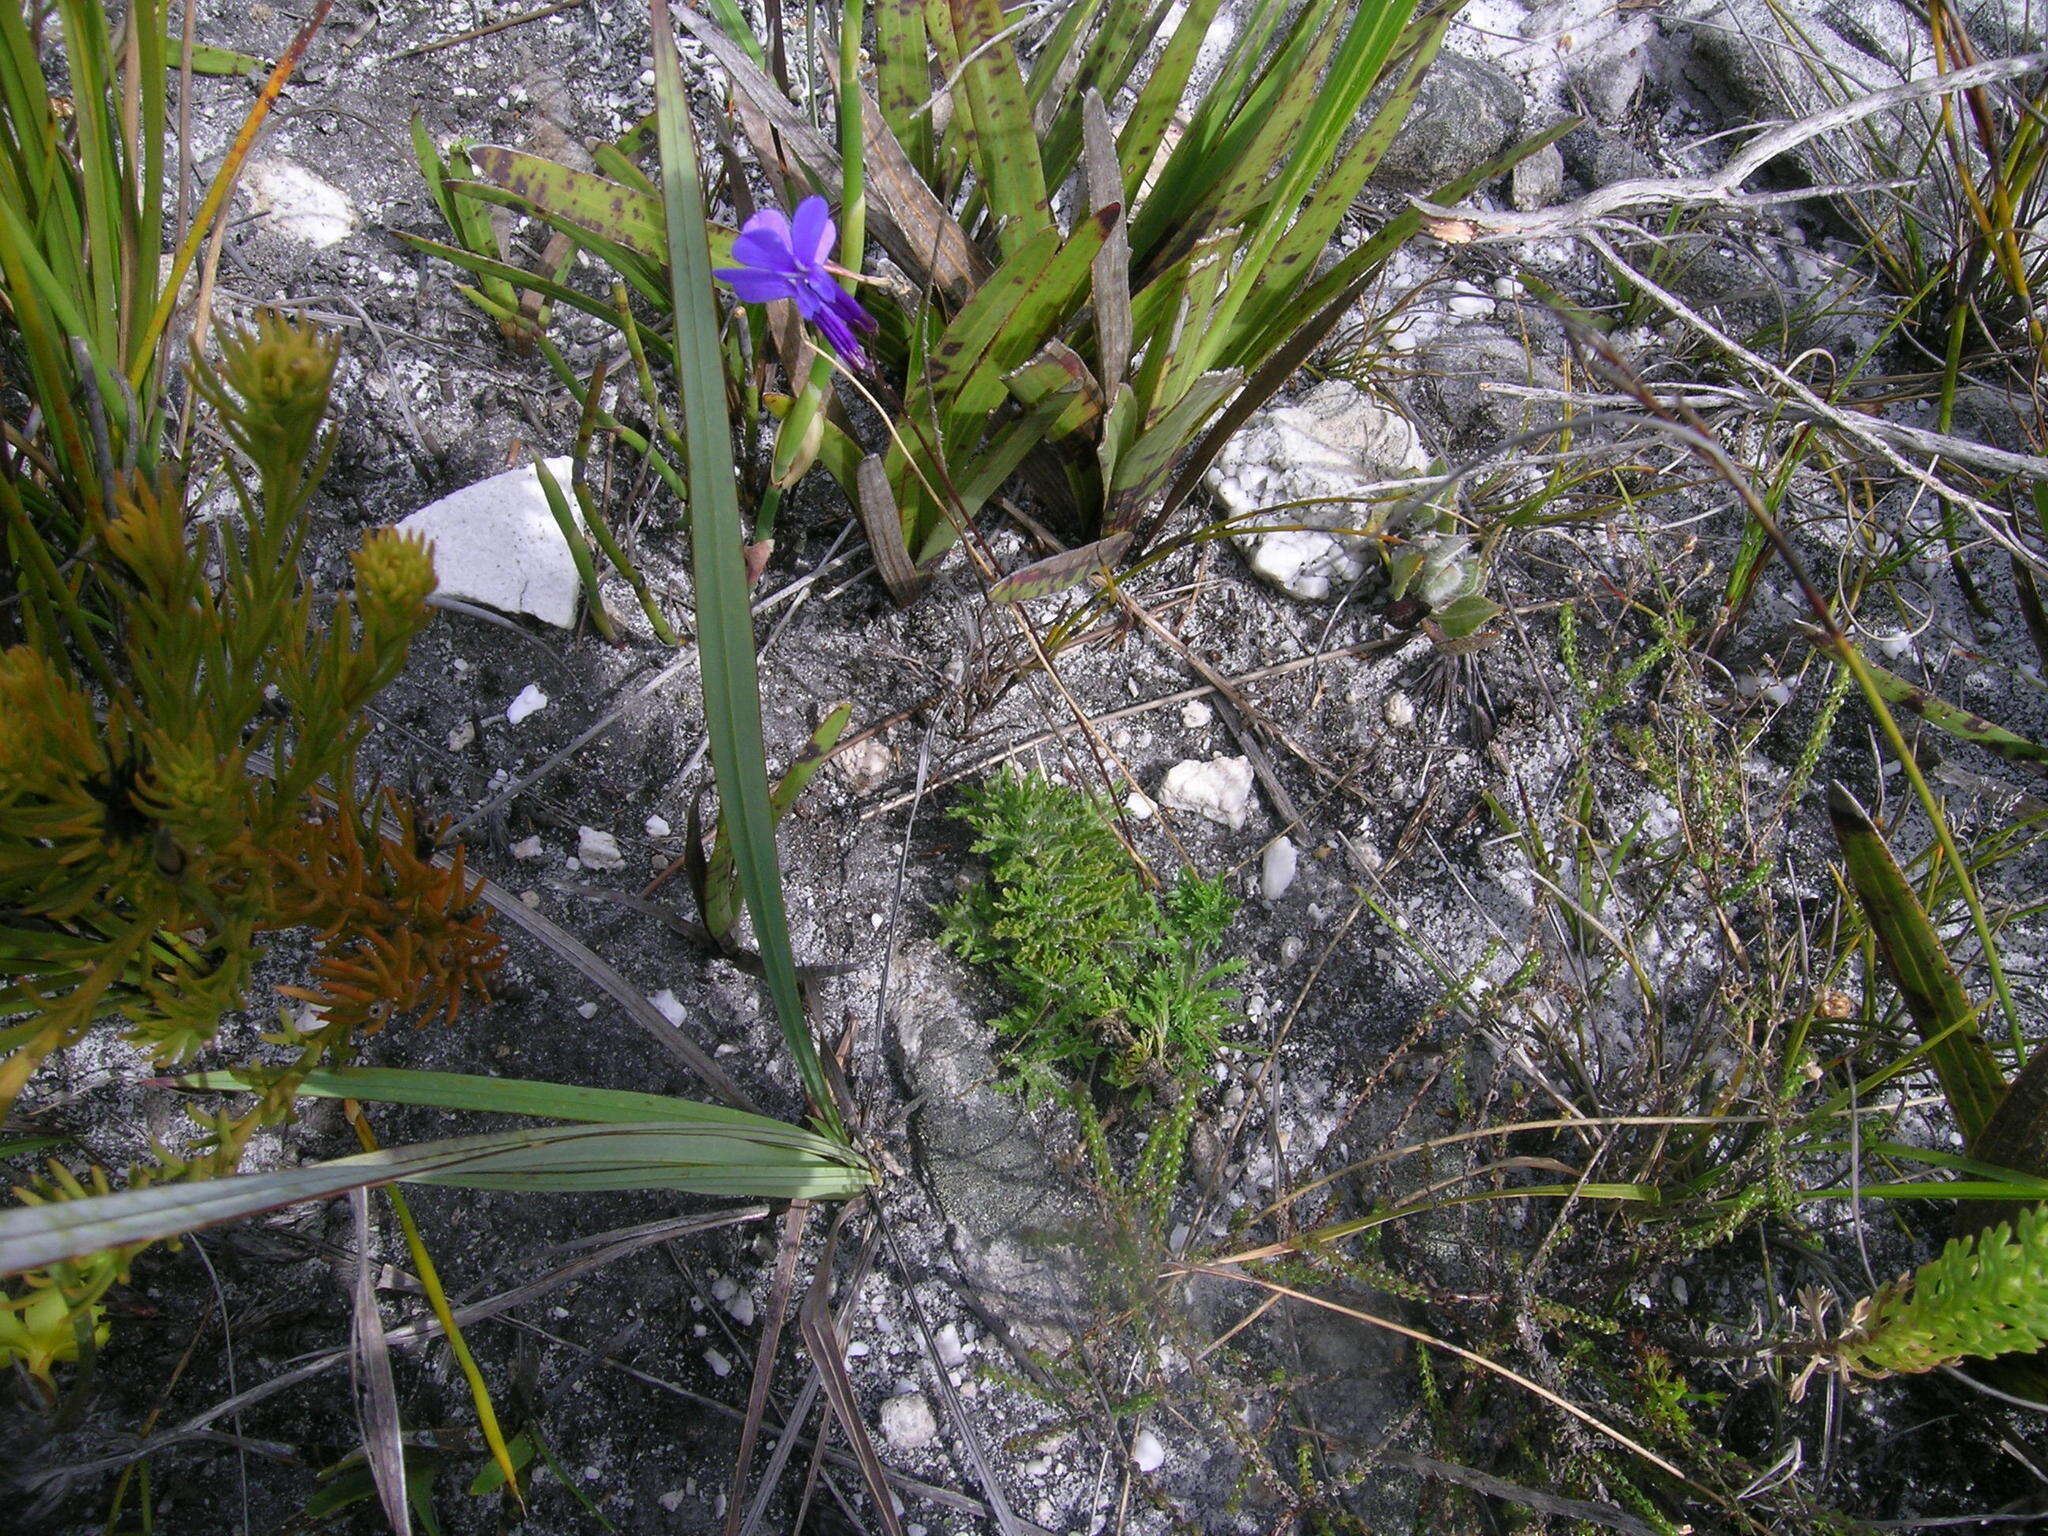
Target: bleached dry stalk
1722 186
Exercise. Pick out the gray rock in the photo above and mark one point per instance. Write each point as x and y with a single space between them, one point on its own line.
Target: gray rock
1601 51
1456 369
1601 159
1538 180
1012 1218
1466 113
1754 60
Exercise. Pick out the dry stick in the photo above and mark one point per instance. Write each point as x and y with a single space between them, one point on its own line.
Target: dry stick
600 972
1709 396
485 31
764 1359
1571 218
1462 1353
1988 517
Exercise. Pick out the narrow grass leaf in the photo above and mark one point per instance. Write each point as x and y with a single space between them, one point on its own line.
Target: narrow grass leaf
725 625
376 1391
722 900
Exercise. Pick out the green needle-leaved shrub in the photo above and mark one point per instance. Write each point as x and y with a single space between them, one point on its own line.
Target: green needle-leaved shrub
1986 1295
1113 982
180 714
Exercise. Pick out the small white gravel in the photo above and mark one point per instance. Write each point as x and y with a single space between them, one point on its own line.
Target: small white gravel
531 701
908 1423
598 849
1277 867
1147 1453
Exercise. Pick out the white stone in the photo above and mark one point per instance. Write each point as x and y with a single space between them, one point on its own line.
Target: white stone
907 1422
1468 302
1398 711
462 736
657 826
947 1342
496 542
586 1010
1277 866
865 764
667 1005
720 1366
1220 789
1196 715
1147 1453
526 848
741 1309
1332 442
530 701
291 201
1141 807
596 849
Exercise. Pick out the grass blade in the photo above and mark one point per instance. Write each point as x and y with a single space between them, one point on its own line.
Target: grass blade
725 624
694 1158
376 1391
1920 968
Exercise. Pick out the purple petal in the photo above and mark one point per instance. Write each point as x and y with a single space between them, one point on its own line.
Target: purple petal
761 250
756 287
847 308
812 232
840 339
770 225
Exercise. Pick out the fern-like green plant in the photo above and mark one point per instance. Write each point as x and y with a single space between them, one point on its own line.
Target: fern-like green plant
1113 983
1985 1296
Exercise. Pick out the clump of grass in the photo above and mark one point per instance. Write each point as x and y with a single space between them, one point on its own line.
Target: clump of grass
1116 984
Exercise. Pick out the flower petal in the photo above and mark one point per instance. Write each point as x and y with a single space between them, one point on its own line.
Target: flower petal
839 338
761 249
770 225
757 287
848 309
812 232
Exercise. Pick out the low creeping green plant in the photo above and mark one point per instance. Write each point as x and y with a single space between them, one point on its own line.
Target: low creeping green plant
1115 984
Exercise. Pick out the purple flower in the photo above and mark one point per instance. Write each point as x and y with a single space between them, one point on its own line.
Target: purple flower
785 258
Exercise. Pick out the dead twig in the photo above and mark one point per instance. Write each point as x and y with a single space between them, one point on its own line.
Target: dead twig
1720 187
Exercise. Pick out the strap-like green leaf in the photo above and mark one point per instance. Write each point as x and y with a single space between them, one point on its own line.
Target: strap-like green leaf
620 213
725 625
1920 968
1005 142
703 1159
